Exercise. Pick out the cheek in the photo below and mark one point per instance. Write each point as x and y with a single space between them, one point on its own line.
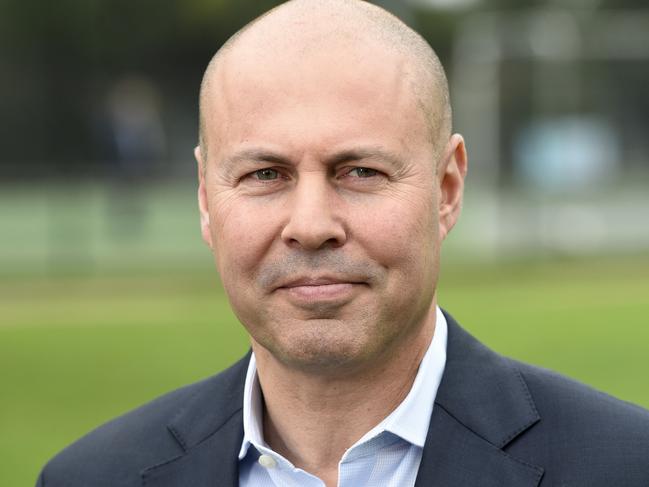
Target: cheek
401 235
241 236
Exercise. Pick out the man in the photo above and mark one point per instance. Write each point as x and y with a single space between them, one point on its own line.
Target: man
328 179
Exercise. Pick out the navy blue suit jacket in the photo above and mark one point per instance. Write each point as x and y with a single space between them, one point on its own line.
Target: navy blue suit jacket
496 423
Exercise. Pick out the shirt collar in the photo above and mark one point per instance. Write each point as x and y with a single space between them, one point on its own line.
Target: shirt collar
409 421
411 418
252 410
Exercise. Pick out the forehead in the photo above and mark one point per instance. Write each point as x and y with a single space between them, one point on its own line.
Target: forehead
307 90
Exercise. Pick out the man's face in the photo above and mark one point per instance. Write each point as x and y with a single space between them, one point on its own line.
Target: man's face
321 203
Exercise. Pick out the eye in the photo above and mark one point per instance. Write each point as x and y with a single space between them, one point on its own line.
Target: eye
363 172
266 174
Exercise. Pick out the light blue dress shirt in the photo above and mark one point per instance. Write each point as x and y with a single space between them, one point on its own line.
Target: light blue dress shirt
386 456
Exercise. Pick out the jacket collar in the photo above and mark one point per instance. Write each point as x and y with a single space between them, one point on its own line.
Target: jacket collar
482 405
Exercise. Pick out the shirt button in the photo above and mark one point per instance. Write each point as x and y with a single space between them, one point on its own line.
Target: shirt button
267 461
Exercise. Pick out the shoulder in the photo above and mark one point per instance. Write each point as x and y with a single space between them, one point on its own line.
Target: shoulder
116 452
553 391
577 435
595 434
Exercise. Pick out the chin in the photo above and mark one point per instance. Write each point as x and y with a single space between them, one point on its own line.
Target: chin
327 345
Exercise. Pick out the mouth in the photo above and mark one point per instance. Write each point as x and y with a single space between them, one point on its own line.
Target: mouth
309 289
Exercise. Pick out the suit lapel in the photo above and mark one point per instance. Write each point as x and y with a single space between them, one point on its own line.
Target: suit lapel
456 457
482 405
209 428
212 463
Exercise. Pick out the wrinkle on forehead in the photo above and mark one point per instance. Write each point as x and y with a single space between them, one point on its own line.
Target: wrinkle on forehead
292 37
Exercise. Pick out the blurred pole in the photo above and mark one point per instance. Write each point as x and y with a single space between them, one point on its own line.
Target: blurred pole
475 92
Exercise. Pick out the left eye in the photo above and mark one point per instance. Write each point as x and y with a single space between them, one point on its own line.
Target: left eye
266 174
363 172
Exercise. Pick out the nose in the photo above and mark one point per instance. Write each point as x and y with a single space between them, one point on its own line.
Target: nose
314 221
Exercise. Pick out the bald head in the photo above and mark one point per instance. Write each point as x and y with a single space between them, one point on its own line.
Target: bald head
303 29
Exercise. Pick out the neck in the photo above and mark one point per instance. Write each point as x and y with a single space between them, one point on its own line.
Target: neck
312 419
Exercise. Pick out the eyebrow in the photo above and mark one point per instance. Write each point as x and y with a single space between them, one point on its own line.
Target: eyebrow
253 155
260 155
361 153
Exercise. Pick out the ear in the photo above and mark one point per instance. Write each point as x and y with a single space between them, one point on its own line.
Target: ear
451 174
203 206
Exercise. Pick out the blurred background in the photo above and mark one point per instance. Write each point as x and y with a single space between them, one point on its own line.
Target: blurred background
108 297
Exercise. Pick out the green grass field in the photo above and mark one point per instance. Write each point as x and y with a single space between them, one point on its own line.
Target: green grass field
76 351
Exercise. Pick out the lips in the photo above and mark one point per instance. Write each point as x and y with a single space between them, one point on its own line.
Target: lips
317 281
318 289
